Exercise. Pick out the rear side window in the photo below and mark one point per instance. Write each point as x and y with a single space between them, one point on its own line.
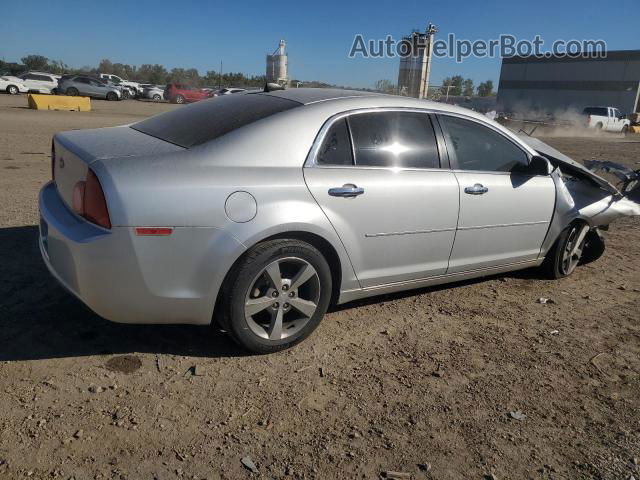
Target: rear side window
601 112
336 147
475 147
207 120
394 139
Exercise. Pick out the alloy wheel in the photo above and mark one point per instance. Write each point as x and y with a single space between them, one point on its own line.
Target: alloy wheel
573 248
282 298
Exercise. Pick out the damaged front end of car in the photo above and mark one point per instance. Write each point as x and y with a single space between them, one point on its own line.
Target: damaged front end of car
583 195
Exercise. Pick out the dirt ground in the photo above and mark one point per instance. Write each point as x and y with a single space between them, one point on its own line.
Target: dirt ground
460 382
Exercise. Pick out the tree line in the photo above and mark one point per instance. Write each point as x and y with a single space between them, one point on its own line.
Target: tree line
158 75
457 85
451 86
147 73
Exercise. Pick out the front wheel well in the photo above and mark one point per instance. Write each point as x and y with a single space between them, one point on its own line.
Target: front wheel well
327 250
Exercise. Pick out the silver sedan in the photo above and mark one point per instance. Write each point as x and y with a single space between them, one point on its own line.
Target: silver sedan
261 210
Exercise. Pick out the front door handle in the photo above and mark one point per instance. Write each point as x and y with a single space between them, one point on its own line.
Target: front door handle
347 190
477 189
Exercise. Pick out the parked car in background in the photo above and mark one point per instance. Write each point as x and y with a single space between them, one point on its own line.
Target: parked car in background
152 92
260 210
125 92
229 91
40 82
89 87
181 93
134 87
12 85
606 119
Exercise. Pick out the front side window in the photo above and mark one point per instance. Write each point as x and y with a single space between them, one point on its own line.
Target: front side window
475 147
336 146
394 139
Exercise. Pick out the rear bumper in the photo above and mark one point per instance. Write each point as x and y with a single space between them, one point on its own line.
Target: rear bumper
130 279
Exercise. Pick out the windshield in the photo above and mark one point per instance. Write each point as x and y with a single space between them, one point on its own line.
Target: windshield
209 119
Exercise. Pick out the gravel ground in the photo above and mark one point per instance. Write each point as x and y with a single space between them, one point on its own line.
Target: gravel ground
464 381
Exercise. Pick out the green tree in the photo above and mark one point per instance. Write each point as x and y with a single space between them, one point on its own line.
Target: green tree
485 89
453 85
467 88
35 62
58 66
155 74
105 66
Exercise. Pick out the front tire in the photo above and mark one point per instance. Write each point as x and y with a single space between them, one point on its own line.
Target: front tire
72 91
12 90
179 99
566 253
276 295
112 96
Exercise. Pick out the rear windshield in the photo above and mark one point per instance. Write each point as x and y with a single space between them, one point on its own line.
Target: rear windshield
599 111
209 119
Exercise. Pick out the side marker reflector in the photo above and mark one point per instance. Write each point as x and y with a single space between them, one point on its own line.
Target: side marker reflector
153 231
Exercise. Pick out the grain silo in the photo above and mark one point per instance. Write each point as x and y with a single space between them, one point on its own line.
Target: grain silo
277 65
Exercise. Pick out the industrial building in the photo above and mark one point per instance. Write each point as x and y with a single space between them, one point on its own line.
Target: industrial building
278 65
415 68
555 84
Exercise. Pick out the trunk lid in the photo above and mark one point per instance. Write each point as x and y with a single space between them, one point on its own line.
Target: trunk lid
76 150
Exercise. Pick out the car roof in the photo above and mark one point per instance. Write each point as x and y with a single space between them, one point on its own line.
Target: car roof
340 100
312 95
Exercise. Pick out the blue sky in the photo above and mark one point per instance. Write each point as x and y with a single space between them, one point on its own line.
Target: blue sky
319 35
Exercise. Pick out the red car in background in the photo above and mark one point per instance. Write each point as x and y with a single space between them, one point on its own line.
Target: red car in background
180 93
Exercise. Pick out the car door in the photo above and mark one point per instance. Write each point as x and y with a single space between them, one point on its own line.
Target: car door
505 211
98 89
29 81
618 119
377 177
83 84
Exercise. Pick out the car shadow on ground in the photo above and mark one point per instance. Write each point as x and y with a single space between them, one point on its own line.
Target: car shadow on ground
528 274
39 319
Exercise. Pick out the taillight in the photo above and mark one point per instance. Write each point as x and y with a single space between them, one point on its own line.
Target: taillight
88 201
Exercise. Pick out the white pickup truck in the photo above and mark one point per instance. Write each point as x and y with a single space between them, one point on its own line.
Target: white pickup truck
607 119
134 87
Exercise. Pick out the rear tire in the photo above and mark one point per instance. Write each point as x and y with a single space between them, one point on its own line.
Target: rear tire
157 98
72 91
12 90
625 130
276 295
565 254
179 99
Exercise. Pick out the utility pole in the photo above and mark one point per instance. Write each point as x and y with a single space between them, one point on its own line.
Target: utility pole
220 79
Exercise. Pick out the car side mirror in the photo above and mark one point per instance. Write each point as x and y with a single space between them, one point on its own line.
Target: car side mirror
538 165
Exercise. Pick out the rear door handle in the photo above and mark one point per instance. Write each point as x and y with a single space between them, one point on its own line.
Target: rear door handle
347 190
477 189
